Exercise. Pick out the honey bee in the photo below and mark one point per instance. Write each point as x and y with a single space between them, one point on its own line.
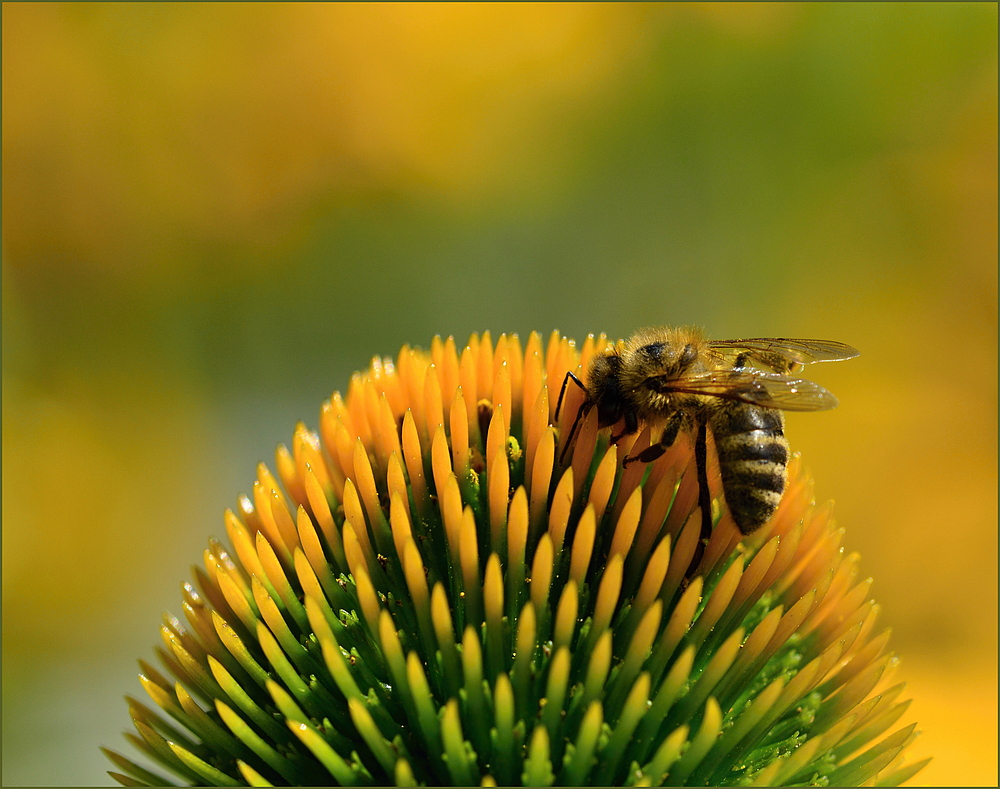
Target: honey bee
675 379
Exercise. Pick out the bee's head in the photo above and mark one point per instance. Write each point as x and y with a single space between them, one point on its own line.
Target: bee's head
653 357
667 357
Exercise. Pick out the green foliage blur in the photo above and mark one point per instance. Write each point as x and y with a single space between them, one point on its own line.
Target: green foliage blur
214 213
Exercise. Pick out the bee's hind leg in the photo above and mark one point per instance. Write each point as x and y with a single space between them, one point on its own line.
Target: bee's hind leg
704 495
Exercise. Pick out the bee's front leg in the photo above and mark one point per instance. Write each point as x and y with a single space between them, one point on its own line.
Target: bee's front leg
631 426
651 453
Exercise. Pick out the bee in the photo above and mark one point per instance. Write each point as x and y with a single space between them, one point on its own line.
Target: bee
675 379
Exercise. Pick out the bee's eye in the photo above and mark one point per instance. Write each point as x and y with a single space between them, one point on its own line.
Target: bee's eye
654 350
689 354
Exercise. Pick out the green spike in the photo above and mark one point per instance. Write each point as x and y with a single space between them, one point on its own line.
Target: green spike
324 752
253 778
256 744
460 759
404 774
502 737
125 780
700 744
429 726
577 765
665 756
144 777
664 699
632 712
380 747
555 692
159 748
207 772
900 776
537 767
869 763
248 706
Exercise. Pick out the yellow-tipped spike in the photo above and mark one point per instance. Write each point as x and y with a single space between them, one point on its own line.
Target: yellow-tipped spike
524 646
665 756
416 582
716 669
498 476
538 767
354 518
444 630
458 420
579 766
604 480
655 511
562 500
632 712
289 474
626 526
583 546
607 597
450 503
461 763
555 689
536 408
502 399
517 536
447 365
470 390
682 554
399 521
239 537
484 365
268 525
432 399
469 560
718 601
384 753
395 479
496 435
269 483
440 458
700 745
367 599
597 668
413 455
493 603
364 480
566 612
541 573
585 444
324 518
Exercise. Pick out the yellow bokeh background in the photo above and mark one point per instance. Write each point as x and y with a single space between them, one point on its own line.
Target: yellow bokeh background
213 213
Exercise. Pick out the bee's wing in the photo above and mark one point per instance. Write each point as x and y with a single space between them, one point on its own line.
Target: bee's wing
756 387
782 353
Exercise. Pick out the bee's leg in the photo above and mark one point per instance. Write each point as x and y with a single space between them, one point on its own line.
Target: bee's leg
579 414
704 494
651 453
562 391
584 410
631 426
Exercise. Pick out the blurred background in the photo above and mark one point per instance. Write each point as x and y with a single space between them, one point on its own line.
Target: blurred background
214 213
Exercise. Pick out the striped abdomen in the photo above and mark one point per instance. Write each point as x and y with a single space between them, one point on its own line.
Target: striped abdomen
753 459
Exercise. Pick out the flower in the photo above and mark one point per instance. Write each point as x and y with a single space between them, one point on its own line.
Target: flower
433 594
